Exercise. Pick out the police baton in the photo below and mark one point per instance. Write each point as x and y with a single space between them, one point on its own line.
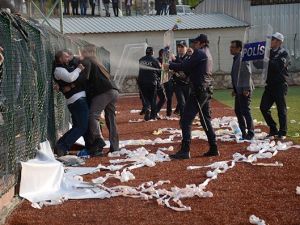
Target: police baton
201 112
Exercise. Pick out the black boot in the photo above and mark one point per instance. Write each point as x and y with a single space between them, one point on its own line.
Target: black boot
142 111
147 115
213 151
96 149
184 152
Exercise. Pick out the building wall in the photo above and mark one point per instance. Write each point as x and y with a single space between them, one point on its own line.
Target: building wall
115 42
239 9
284 18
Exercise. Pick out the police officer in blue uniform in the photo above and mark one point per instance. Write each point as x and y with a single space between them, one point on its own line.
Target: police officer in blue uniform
198 101
276 88
149 73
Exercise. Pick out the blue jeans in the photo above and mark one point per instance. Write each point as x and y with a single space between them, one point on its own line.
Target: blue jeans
79 111
83 7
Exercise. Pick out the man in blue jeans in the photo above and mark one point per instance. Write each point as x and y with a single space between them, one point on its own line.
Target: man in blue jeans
73 86
181 80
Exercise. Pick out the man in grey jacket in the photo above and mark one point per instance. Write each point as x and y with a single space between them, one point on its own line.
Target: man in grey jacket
242 89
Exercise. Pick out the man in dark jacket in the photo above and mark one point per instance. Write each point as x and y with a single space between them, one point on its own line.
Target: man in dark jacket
276 88
102 95
198 101
242 90
149 73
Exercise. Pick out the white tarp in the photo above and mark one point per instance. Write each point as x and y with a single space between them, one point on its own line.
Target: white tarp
41 177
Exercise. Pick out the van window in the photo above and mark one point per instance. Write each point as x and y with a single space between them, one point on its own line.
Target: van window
179 9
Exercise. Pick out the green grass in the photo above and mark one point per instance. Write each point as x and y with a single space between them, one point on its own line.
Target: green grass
293 102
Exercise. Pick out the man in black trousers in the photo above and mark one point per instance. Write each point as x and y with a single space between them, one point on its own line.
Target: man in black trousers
148 78
242 89
276 88
198 100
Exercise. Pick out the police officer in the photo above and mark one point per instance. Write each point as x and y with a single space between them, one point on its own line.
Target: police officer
242 89
181 80
149 72
276 88
198 101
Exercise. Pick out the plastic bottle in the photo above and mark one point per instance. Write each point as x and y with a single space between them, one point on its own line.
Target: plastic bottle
235 129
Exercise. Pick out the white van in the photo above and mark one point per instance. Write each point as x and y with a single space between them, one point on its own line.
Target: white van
184 10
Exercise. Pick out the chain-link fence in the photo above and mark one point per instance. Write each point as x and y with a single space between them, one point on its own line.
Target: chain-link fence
30 111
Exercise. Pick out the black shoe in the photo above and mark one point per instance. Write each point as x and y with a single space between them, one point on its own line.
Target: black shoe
147 115
280 137
249 136
169 114
59 152
142 112
184 152
181 155
96 153
272 135
213 151
98 145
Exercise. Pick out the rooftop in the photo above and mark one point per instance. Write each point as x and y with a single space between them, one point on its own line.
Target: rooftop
80 25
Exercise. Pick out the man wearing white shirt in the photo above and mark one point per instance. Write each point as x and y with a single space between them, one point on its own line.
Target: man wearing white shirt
73 86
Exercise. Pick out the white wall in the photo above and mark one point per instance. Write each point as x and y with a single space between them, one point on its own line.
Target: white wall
239 9
115 42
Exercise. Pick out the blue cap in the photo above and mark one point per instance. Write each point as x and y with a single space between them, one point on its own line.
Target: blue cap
201 38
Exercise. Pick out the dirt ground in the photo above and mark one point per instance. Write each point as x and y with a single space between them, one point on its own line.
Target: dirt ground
267 192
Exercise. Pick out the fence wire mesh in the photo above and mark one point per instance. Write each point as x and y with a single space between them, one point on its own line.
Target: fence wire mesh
30 110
